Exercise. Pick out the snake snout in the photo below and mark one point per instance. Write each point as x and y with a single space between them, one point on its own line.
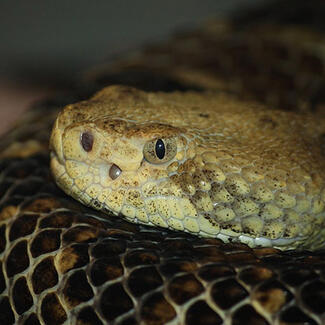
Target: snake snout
114 172
56 144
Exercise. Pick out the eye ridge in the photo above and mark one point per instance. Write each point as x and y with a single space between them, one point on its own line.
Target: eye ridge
160 149
87 141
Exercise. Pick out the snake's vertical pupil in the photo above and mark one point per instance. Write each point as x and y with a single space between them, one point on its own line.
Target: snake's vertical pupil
87 140
160 149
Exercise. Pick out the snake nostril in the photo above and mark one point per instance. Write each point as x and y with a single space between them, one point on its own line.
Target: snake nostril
87 141
114 172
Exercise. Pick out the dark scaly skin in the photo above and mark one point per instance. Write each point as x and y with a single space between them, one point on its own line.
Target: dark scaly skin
63 262
277 62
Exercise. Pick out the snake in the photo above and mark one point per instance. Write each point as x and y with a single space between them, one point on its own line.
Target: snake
186 202
196 163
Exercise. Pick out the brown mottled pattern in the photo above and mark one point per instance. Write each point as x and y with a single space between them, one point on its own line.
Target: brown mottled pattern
133 274
127 272
274 55
282 65
239 172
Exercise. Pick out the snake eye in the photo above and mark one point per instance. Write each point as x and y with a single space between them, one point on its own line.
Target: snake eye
87 140
159 151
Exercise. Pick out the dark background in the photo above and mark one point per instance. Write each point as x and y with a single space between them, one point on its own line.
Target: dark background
55 39
44 44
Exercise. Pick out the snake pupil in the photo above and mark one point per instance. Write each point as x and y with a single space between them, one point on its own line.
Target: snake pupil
87 140
160 149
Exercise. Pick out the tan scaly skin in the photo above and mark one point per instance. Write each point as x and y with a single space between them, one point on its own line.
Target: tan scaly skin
231 170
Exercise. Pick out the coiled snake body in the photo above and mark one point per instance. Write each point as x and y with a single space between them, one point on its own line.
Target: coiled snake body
245 178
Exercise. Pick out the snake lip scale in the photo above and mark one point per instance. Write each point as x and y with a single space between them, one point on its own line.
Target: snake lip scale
226 169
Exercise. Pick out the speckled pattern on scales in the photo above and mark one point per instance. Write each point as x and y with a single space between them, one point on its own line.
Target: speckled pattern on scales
232 170
64 263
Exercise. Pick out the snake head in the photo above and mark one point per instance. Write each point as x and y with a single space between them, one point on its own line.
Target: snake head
191 162
113 162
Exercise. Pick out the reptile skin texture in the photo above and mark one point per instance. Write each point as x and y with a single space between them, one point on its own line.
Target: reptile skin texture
233 170
64 263
70 265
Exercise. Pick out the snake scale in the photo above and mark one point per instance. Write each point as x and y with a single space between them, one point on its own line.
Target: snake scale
65 263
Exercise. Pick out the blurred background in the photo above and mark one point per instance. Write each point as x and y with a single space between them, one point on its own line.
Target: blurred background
44 45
